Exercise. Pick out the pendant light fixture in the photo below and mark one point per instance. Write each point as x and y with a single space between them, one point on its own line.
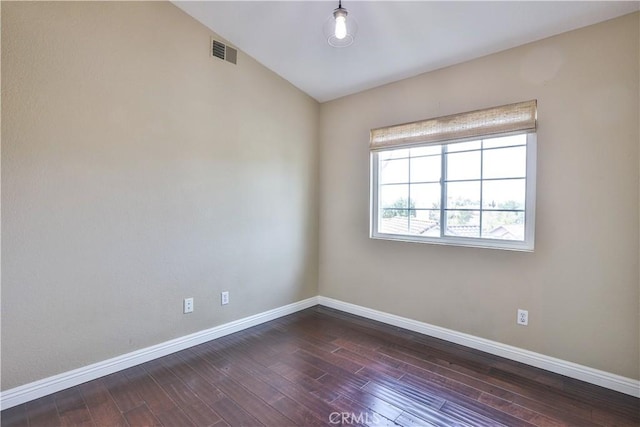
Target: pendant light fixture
340 31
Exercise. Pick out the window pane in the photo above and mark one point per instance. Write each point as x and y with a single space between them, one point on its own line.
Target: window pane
426 151
414 222
503 194
505 163
430 218
503 225
463 223
505 141
432 231
425 169
463 195
424 222
394 196
463 146
463 165
393 224
394 171
393 154
425 196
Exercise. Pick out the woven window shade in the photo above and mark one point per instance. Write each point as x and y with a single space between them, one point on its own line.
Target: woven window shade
520 117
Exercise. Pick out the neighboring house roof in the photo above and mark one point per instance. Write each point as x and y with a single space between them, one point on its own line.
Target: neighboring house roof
463 230
417 227
399 225
510 232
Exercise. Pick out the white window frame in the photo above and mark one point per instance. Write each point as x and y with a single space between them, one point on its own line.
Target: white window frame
528 242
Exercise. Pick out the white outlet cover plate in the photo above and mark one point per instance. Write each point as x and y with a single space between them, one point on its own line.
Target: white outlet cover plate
188 305
523 317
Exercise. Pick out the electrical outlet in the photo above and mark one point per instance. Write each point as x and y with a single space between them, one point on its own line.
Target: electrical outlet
224 298
523 317
188 305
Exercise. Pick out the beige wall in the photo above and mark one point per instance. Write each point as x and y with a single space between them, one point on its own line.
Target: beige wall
581 285
136 171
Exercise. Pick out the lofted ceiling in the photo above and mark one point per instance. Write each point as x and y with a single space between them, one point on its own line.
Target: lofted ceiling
395 39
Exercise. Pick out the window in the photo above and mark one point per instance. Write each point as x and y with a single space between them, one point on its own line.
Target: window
466 180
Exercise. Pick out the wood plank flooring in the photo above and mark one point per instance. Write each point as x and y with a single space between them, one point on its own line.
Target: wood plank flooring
325 367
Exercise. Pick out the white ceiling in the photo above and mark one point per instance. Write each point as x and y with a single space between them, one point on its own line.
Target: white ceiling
395 39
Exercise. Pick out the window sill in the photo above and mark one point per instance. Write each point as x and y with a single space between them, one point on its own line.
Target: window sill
506 245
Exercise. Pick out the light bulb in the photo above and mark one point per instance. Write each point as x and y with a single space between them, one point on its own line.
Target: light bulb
341 27
335 28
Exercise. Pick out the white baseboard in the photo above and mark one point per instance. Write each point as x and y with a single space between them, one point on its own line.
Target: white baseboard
563 367
46 386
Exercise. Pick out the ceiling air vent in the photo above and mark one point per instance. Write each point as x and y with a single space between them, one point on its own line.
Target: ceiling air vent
222 51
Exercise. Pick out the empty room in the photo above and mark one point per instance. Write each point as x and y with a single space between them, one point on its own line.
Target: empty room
297 213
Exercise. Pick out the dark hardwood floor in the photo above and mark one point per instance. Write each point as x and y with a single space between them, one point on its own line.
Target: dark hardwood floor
324 367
